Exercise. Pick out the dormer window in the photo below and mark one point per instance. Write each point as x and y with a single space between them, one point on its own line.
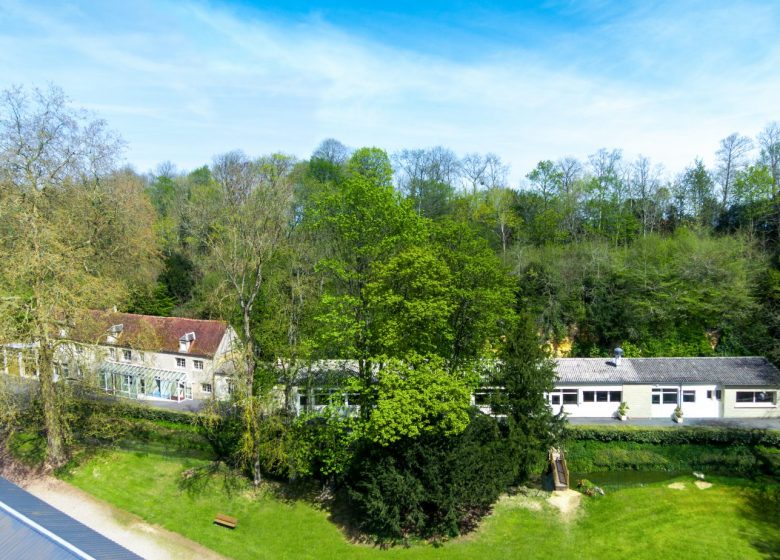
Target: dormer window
185 342
114 332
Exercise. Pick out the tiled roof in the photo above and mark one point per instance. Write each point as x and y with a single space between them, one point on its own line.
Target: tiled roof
147 332
746 371
31 528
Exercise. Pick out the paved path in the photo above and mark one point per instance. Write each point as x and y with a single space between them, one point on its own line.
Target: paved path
149 541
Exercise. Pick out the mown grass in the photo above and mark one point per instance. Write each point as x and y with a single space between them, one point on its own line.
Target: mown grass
733 519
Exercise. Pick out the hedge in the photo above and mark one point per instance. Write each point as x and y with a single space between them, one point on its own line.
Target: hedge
130 410
587 456
674 436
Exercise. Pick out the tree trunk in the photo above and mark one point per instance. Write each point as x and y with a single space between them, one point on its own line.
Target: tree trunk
56 454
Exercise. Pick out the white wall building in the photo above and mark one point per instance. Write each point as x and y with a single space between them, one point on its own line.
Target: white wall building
740 387
148 357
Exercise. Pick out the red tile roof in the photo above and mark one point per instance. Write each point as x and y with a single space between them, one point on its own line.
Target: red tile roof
147 332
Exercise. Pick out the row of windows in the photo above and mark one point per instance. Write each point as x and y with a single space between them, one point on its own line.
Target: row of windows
182 363
127 356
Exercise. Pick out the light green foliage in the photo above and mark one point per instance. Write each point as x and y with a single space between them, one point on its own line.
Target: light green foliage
364 223
413 294
418 395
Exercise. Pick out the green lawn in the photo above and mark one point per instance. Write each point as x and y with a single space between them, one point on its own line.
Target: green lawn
726 521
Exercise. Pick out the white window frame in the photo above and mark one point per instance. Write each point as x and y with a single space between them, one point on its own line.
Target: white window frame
754 403
559 393
197 364
661 391
181 363
127 355
206 388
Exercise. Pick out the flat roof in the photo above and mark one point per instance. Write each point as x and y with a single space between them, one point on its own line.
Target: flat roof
737 371
31 528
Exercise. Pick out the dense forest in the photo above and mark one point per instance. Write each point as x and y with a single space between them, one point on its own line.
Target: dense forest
601 252
425 270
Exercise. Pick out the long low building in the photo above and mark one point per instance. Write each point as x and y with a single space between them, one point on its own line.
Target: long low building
718 387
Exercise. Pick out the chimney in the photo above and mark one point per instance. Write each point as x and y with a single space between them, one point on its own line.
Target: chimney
186 341
618 355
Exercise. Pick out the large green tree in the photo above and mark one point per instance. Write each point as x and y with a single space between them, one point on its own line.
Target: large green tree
71 223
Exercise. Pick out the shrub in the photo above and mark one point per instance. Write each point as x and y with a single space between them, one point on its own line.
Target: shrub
432 486
659 435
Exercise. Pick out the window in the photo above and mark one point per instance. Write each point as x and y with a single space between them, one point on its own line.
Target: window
602 396
142 385
689 396
322 398
181 362
198 364
481 399
205 387
761 397
717 394
709 394
112 353
353 399
303 400
565 396
127 355
664 395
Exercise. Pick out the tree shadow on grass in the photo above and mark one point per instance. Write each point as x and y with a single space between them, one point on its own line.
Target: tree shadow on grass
762 508
194 481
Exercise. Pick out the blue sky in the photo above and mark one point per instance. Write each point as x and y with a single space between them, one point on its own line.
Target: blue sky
183 81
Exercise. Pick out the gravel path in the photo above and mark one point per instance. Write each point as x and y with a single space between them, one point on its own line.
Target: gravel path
149 541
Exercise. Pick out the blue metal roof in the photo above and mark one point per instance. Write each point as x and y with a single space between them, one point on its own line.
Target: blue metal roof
32 529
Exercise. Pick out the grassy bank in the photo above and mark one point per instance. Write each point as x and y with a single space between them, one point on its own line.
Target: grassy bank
729 520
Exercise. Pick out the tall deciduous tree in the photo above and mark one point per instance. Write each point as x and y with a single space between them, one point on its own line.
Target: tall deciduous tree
732 158
69 224
248 228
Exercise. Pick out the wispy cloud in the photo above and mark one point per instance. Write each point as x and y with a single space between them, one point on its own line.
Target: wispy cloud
183 81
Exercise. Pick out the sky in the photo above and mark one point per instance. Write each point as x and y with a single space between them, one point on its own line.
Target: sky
183 81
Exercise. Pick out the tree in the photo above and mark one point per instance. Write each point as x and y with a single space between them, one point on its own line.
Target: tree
418 395
546 179
522 377
696 195
362 222
69 224
769 143
247 230
426 177
732 158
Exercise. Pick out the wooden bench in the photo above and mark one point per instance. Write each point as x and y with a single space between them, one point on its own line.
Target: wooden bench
226 521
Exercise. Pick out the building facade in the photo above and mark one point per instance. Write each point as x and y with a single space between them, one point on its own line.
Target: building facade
739 387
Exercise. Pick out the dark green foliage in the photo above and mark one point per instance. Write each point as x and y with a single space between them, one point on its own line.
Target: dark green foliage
125 409
674 436
525 373
154 300
586 456
431 486
178 277
221 425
